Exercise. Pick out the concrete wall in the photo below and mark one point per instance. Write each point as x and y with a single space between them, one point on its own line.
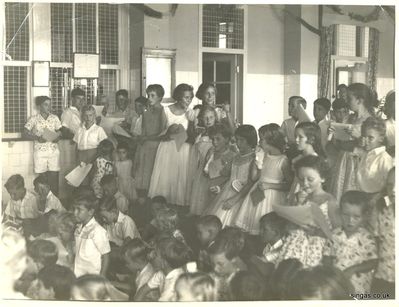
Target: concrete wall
386 68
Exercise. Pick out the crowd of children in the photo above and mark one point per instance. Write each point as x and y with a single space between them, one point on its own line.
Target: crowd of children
193 207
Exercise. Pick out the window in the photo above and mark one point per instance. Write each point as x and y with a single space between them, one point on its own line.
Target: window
61 32
108 22
351 41
85 23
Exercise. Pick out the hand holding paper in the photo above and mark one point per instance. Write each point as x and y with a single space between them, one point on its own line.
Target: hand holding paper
340 131
50 135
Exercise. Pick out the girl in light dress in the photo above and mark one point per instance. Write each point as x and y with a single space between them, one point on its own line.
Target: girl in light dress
274 175
102 166
229 198
169 176
361 101
123 169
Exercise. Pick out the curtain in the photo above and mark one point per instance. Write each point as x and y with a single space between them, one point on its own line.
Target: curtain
326 49
374 43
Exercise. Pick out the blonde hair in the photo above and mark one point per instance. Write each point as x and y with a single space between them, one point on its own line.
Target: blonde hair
201 285
167 220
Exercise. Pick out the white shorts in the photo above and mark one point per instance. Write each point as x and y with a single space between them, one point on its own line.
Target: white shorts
45 161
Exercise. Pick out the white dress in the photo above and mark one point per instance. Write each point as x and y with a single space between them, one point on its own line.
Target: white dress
272 172
169 176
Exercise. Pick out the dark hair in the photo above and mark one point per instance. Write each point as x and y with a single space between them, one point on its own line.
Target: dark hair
41 179
281 277
389 107
275 221
40 99
374 123
339 103
106 147
175 252
321 282
222 129
313 162
362 91
159 199
15 181
142 100
89 201
342 85
356 198
157 88
313 134
122 93
229 241
202 89
273 135
323 102
83 191
211 221
107 179
178 92
43 251
77 92
300 99
246 286
136 248
122 145
108 204
58 277
248 132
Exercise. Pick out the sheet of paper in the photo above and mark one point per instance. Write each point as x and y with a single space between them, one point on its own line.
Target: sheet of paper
340 131
99 109
300 215
49 135
78 174
116 129
108 123
301 113
320 220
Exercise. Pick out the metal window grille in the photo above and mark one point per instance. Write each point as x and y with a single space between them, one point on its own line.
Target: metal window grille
222 26
17 31
108 33
85 28
59 81
88 86
107 83
366 42
61 32
15 98
346 40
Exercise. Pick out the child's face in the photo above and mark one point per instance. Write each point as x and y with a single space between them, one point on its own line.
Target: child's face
156 208
242 144
267 233
187 97
341 114
122 154
109 217
391 186
45 107
205 235
221 265
184 293
343 93
110 188
82 214
353 102
372 139
132 264
121 102
153 97
42 190
262 142
319 112
209 96
65 234
310 179
43 292
140 108
16 193
89 117
352 217
209 119
301 139
219 142
78 101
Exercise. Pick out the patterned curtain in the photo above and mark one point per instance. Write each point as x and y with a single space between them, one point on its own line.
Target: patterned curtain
374 43
326 49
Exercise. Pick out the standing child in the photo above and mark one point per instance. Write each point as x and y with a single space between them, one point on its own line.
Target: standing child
102 166
169 176
154 122
354 250
273 175
124 172
321 113
340 111
110 187
195 287
92 244
227 203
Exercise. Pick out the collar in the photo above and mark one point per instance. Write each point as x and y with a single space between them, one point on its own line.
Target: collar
276 245
90 128
89 223
49 195
74 108
376 151
120 217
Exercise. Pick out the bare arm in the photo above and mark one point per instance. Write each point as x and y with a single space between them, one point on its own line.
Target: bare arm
104 264
364 267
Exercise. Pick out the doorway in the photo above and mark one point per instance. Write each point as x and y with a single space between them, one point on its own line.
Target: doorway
225 72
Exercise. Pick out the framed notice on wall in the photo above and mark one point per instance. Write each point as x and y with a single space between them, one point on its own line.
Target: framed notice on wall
86 65
41 73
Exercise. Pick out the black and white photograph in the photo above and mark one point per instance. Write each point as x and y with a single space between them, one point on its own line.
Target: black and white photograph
197 152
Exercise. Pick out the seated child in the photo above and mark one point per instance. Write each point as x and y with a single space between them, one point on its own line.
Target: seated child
110 187
245 286
354 250
166 222
91 240
158 203
46 200
54 282
195 287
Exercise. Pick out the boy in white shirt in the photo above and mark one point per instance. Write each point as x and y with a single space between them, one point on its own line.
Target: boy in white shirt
91 240
47 201
71 118
110 187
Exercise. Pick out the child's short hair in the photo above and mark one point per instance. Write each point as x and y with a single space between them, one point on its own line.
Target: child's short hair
362 91
282 276
246 286
175 252
275 221
66 221
201 286
356 198
41 179
142 100
300 100
210 221
94 287
108 204
222 129
123 145
107 179
58 277
87 108
77 92
157 88
167 220
389 106
43 251
122 92
339 103
229 241
323 102
106 147
206 109
314 162
159 199
248 132
273 135
178 92
88 201
202 89
40 99
136 248
376 124
313 134
15 181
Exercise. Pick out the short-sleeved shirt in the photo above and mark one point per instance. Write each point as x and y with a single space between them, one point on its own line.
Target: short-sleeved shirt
23 209
37 123
123 228
89 138
91 241
144 275
157 281
122 203
288 129
353 250
53 203
70 119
